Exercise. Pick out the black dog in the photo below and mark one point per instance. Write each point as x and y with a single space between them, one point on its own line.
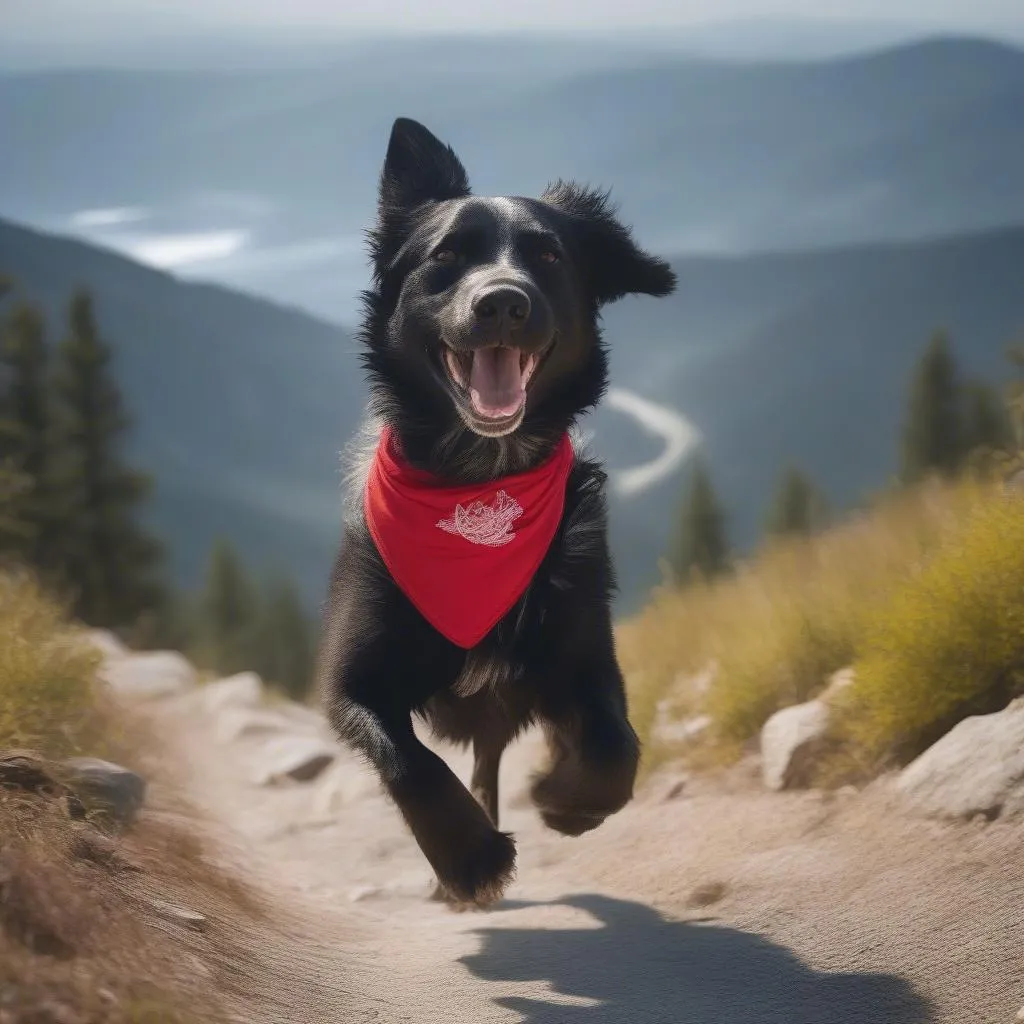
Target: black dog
482 349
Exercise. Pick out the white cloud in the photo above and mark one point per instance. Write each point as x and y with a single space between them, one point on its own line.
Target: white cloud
108 218
169 252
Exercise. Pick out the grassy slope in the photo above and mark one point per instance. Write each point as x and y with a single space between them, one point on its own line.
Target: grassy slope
924 595
78 942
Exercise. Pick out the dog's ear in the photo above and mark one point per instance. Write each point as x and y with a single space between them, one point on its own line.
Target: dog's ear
614 264
419 168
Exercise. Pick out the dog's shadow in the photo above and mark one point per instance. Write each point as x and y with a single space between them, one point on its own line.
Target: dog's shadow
639 968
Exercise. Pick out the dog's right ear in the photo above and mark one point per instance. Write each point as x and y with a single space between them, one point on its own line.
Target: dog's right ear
419 168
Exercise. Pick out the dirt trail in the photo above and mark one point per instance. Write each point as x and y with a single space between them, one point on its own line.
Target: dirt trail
693 905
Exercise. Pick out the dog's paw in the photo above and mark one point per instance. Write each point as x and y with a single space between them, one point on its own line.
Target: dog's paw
475 874
573 801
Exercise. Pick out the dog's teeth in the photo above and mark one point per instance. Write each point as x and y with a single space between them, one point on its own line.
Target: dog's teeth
529 364
455 368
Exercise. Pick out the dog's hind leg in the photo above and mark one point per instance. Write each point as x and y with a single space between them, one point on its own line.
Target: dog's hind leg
484 783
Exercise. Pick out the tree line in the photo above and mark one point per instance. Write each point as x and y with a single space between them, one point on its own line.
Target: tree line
72 510
950 424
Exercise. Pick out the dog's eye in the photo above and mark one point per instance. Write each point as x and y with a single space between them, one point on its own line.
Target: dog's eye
549 256
444 256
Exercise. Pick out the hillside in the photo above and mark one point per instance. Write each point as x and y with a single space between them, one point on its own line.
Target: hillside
708 156
807 356
242 405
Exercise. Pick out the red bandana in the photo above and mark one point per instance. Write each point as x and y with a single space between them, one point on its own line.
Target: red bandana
463 555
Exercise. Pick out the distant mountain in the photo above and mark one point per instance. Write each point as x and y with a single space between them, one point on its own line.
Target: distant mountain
707 156
242 405
808 356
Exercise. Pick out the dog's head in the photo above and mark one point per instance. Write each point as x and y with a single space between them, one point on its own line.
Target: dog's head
482 325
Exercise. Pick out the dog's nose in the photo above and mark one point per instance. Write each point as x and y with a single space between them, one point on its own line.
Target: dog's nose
506 304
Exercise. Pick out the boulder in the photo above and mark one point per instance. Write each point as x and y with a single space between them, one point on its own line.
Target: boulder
296 758
977 768
249 723
838 681
106 643
243 690
149 675
791 741
120 791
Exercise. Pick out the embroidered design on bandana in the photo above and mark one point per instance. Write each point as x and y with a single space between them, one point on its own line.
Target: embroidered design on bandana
485 524
463 554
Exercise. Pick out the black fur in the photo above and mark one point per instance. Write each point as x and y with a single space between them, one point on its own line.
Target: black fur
551 661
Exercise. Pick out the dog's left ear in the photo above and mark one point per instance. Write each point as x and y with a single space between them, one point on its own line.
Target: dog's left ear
419 168
614 264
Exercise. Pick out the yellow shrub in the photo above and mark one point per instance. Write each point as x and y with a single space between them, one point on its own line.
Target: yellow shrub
783 623
47 697
948 643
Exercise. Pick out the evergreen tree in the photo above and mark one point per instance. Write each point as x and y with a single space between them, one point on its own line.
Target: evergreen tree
933 435
1015 394
27 439
230 626
105 558
798 507
23 428
703 549
986 420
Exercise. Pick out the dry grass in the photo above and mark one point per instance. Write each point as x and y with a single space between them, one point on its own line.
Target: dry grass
948 643
80 940
783 624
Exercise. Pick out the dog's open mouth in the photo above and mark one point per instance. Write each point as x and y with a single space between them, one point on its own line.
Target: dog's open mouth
494 378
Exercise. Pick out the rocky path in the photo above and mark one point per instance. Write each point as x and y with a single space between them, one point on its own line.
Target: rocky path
706 904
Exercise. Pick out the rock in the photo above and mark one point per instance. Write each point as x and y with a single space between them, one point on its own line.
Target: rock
299 758
118 790
106 643
23 769
1020 1013
791 740
977 768
680 732
244 690
243 723
149 675
839 681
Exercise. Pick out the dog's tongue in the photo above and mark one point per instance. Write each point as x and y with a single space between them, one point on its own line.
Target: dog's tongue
496 386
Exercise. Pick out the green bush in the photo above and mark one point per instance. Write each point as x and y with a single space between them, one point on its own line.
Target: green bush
48 700
782 624
948 643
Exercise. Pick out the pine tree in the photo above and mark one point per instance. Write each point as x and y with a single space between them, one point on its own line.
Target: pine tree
23 432
703 549
1015 394
230 620
287 639
27 415
105 557
986 420
798 507
933 432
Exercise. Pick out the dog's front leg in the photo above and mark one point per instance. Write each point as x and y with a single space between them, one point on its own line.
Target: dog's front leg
594 750
473 861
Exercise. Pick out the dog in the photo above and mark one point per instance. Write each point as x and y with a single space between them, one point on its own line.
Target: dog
473 581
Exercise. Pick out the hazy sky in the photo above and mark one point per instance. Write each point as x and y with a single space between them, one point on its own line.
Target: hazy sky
94 17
